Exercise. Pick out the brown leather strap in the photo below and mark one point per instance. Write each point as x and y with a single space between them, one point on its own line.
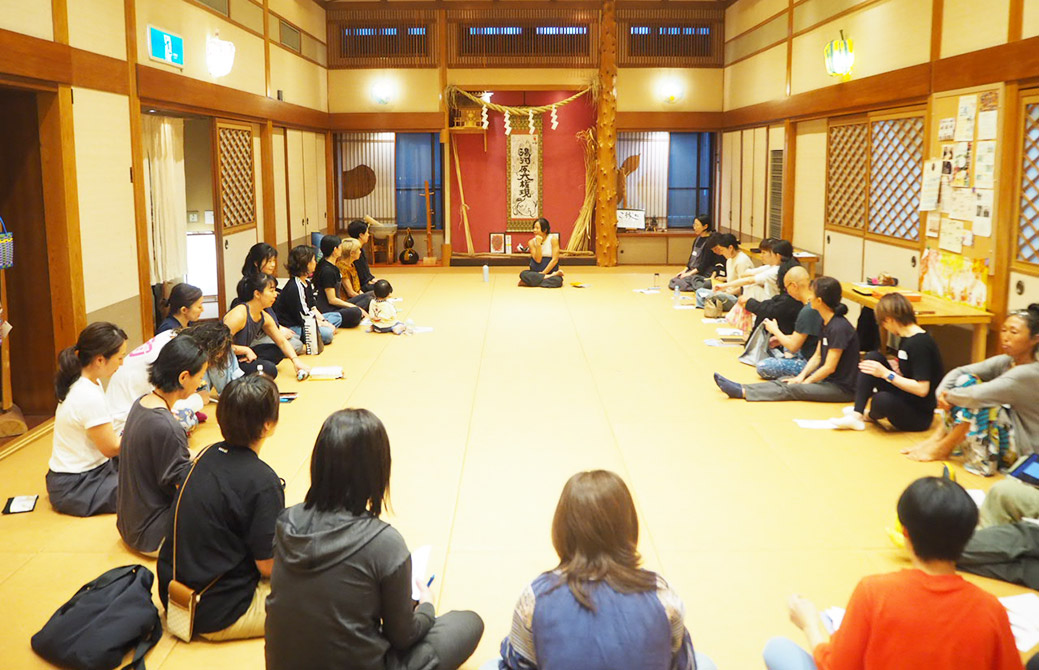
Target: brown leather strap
176 512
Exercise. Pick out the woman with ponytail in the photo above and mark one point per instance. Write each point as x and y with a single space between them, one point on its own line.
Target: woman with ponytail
830 375
992 407
185 304
82 479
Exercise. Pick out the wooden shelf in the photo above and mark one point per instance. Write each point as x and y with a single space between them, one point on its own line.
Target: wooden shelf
465 130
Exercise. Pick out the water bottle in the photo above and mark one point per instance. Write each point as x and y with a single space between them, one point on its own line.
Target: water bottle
656 280
409 327
486 273
676 298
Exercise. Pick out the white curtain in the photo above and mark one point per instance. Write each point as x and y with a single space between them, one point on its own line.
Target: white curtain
377 151
166 197
647 186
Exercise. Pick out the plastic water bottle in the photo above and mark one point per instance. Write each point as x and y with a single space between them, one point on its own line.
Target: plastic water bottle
656 280
486 273
676 297
409 327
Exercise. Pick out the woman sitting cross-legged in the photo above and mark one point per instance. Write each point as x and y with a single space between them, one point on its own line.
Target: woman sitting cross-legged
544 270
924 617
262 258
992 407
829 376
153 452
298 299
737 267
342 582
598 608
83 474
903 392
249 320
220 537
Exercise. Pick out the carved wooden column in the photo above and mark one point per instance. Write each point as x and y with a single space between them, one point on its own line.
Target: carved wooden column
606 136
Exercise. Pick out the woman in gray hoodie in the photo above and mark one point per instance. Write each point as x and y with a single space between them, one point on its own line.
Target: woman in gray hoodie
341 584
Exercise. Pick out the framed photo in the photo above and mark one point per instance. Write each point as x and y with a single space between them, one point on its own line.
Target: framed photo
497 243
508 243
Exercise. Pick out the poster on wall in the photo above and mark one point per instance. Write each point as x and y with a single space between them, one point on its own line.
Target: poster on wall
951 237
524 180
962 204
983 200
966 111
955 277
934 223
946 129
931 186
961 164
985 165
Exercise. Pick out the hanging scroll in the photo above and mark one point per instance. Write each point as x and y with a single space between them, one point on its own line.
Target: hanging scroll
524 186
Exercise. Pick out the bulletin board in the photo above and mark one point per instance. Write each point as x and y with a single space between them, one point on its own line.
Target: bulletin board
959 194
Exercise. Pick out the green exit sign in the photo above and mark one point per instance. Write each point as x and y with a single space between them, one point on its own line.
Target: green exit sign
165 47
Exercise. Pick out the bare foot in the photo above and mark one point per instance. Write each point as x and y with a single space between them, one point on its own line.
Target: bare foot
926 452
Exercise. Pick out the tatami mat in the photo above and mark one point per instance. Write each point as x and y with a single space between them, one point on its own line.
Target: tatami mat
488 415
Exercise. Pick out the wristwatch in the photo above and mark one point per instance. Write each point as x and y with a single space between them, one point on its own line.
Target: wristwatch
890 377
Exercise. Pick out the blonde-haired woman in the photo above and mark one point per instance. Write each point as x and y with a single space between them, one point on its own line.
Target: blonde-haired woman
598 608
350 251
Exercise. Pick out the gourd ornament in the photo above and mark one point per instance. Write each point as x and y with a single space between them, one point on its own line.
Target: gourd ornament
409 256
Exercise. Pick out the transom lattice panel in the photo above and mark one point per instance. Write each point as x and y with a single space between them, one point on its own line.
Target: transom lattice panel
1028 225
896 171
847 175
237 189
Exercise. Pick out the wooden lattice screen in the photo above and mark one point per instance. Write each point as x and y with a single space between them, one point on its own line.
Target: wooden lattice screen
775 193
237 187
672 37
508 37
380 38
847 175
1028 221
896 170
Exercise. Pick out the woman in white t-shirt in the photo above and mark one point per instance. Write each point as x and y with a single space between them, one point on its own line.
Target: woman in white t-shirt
83 477
737 266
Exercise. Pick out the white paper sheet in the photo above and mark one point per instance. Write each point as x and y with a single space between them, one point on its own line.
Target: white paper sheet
647 291
718 320
815 424
419 566
930 189
21 504
965 113
1023 612
719 343
832 618
681 306
987 125
934 223
729 332
977 495
947 129
951 236
983 201
962 204
985 164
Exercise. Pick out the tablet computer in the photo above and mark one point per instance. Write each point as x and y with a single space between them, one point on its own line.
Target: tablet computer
1027 470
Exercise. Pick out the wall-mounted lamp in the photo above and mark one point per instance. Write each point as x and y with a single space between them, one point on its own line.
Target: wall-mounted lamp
384 91
840 57
219 55
670 90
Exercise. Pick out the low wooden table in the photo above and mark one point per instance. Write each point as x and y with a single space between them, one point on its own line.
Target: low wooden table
935 311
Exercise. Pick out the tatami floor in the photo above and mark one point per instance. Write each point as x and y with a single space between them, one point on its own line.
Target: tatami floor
489 414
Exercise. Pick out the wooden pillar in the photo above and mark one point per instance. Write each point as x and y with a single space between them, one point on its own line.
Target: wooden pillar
144 266
270 224
606 137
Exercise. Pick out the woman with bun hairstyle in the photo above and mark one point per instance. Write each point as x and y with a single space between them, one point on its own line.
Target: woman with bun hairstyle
82 478
185 305
830 375
992 407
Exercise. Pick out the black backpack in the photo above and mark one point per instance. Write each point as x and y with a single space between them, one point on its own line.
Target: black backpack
104 620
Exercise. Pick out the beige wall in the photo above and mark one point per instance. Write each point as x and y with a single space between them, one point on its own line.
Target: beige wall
97 25
889 35
301 82
195 25
562 77
810 185
758 79
198 172
304 13
106 209
969 25
1030 21
417 90
745 14
30 17
640 89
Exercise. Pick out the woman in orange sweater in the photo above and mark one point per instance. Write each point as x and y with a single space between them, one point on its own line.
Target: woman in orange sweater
924 617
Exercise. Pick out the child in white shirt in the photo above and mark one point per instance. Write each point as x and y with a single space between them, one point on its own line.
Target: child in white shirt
382 312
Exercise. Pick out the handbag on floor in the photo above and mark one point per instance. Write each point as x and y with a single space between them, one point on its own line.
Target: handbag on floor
101 623
182 600
713 308
757 347
312 336
739 317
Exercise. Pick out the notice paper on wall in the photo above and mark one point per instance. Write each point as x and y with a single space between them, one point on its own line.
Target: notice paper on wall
961 164
962 204
931 188
934 223
951 237
966 110
987 125
947 129
983 212
985 164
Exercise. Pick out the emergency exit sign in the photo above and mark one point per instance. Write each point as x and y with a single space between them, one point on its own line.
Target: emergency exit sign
165 47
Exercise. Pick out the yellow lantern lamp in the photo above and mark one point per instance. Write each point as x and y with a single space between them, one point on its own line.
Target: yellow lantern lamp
840 57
